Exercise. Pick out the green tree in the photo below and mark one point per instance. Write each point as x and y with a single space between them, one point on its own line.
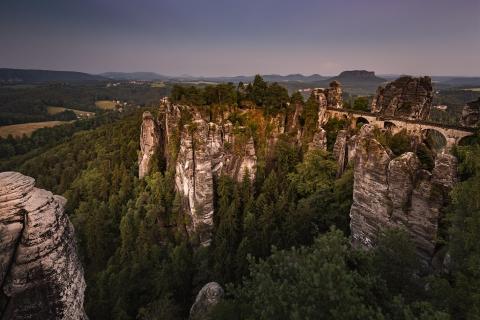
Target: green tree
307 283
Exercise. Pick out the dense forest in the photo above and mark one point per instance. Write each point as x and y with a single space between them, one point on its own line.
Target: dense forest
280 246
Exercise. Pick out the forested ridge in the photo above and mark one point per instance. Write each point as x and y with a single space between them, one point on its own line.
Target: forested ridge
280 245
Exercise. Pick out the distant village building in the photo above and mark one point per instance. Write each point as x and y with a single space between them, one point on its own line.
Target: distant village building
441 107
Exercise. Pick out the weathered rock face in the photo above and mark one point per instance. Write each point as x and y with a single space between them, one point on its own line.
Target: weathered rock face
406 97
194 180
471 114
242 162
340 150
40 272
151 143
334 95
394 191
207 298
207 151
319 140
331 96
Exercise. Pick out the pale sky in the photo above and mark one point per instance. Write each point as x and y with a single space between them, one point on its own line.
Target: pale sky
223 37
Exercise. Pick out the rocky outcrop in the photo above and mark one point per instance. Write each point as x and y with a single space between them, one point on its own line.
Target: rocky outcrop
40 272
471 114
406 97
151 144
331 96
395 192
207 298
194 180
340 151
207 151
334 94
244 163
319 140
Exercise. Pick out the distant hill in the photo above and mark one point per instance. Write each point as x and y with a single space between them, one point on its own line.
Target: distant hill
462 82
19 76
354 77
143 76
151 76
293 77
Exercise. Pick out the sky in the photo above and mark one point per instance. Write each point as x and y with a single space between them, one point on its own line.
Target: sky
242 37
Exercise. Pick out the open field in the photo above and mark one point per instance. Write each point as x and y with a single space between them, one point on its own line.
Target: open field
18 130
105 104
158 85
79 113
472 89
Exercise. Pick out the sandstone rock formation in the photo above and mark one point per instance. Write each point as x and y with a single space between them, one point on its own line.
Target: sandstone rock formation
406 97
334 94
40 272
319 140
340 151
194 180
394 191
151 143
207 151
208 297
331 96
471 114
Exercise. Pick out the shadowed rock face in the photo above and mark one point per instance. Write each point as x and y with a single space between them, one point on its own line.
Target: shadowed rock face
40 273
208 297
471 114
394 191
340 151
150 143
406 97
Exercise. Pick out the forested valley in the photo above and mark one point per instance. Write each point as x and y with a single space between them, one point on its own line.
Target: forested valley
280 243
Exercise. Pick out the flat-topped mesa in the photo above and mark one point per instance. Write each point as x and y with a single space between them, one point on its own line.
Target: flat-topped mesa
330 97
151 144
407 97
40 272
395 192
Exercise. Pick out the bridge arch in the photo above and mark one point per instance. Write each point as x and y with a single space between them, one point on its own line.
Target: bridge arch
435 139
390 126
466 140
360 121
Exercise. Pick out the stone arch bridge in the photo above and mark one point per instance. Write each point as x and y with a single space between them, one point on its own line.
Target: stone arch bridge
452 134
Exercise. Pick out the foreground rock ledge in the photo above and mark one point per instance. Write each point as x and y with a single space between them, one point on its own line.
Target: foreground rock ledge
40 273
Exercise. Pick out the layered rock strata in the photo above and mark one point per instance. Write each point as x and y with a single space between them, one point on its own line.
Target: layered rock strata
395 192
40 273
